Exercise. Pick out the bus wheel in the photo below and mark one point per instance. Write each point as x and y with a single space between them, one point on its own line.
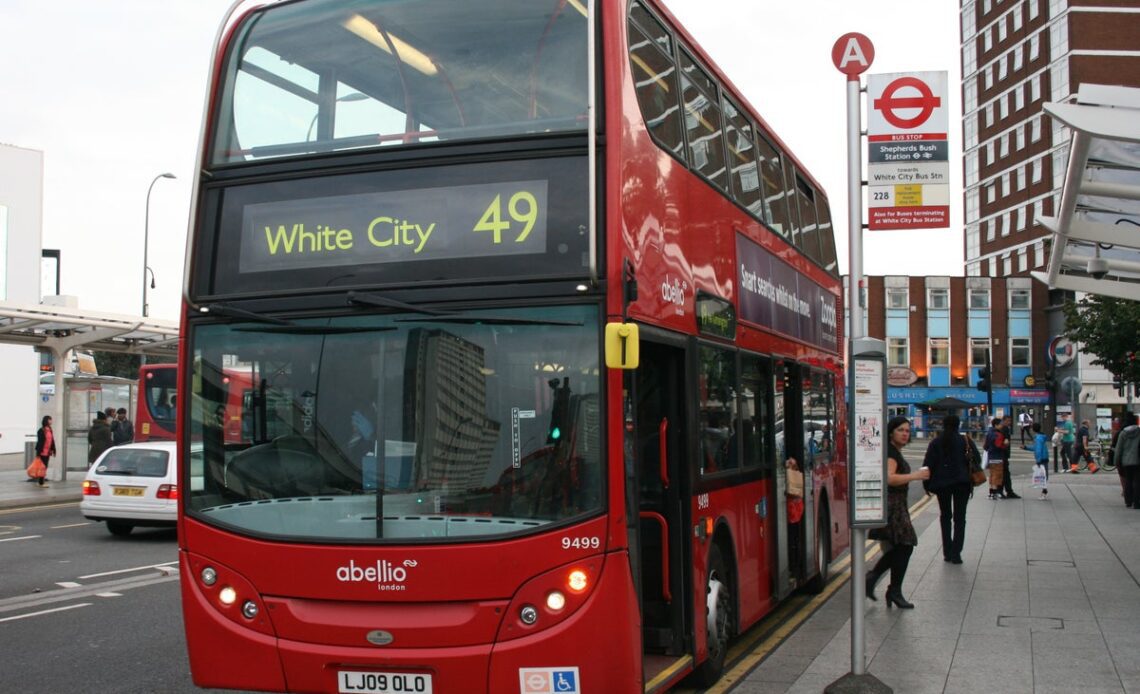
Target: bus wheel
822 556
119 529
719 603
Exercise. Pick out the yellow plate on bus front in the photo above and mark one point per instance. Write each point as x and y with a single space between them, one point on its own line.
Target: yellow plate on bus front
129 491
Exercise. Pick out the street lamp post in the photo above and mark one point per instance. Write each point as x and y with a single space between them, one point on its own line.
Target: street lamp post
146 240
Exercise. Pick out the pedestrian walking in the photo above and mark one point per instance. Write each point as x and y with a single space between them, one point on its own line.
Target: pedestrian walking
1126 453
950 481
897 539
99 437
1006 478
1068 438
1025 421
1082 450
1041 458
45 446
992 444
123 431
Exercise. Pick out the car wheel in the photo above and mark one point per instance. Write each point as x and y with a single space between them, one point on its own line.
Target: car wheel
720 618
119 529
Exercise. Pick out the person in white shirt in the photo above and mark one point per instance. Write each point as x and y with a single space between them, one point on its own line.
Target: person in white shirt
1025 421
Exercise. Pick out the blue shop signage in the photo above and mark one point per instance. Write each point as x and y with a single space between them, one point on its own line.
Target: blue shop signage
972 396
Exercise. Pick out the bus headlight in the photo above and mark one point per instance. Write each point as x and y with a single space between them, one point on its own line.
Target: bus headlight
228 596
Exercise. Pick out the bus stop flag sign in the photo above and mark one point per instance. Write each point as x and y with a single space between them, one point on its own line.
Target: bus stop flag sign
908 168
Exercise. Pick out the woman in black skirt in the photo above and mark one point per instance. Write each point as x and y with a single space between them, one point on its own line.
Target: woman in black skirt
898 537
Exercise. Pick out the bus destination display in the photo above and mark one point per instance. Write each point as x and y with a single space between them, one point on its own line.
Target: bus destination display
493 219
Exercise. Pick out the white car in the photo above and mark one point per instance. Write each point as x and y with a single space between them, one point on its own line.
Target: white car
135 484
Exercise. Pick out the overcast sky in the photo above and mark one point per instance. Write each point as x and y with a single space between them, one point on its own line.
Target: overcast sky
112 92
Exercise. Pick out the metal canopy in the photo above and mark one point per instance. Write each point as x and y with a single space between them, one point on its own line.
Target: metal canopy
1096 231
61 328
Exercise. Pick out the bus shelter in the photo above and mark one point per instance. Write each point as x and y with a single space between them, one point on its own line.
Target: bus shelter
83 397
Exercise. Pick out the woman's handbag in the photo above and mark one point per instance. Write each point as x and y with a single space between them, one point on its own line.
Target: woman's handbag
37 470
974 463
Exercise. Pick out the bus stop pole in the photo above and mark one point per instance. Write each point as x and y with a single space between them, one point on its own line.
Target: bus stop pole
855 327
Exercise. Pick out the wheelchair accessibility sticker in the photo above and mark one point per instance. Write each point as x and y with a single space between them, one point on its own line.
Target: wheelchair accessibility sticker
549 680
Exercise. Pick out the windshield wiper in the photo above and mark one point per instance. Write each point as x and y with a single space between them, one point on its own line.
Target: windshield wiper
235 312
447 317
385 302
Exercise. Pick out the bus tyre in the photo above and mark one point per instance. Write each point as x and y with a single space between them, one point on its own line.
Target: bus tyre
119 529
822 556
719 617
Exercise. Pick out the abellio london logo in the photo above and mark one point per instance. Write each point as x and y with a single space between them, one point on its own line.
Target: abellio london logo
385 574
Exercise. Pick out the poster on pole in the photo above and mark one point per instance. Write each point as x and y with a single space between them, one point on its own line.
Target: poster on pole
908 166
868 441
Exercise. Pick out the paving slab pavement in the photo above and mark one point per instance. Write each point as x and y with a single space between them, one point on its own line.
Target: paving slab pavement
1047 600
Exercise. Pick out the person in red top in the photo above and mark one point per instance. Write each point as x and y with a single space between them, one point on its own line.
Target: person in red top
45 443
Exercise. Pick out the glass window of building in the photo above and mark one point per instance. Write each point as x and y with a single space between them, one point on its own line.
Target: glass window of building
1037 169
990 153
1019 351
1034 46
989 76
979 349
1002 29
973 205
979 298
1016 15
1004 144
1007 264
1039 254
1022 259
973 242
897 297
1019 133
991 192
1019 299
1033 9
897 352
1003 67
1035 88
1035 129
1005 184
938 298
988 225
1018 58
939 351
989 114
1021 219
1005 226
987 39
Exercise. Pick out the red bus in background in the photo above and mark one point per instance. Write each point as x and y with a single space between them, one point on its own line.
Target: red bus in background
158 403
533 307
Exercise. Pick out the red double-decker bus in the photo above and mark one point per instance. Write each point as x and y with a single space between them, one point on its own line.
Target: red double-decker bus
157 412
533 307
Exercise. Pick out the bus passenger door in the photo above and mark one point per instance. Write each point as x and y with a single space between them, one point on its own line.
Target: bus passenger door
660 426
796 544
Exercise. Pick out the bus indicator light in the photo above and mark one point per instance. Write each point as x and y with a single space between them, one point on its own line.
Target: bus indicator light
227 596
578 581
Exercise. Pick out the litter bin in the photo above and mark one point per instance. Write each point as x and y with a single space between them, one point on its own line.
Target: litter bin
29 452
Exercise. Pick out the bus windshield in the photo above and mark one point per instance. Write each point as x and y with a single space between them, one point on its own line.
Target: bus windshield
400 426
331 75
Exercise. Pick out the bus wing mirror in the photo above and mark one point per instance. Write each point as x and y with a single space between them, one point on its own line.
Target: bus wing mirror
622 346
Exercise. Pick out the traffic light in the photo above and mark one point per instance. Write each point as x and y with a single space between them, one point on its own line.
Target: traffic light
984 379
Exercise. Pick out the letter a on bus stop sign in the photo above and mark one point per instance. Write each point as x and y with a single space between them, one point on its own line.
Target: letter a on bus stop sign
853 54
